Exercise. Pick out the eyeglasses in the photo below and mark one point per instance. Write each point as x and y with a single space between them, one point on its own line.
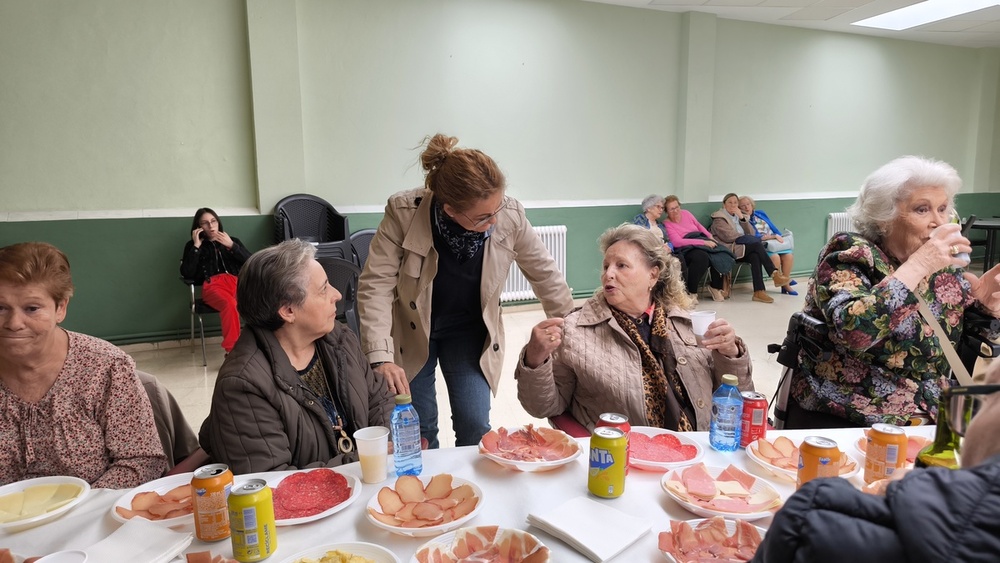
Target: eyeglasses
964 401
207 224
476 224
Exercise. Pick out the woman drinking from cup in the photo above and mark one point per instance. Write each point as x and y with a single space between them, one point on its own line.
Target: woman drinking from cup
631 348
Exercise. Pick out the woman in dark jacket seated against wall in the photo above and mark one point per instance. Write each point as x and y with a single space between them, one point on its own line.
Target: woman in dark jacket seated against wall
296 386
930 515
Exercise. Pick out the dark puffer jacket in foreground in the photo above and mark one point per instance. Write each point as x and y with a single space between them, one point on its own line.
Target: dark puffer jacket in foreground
931 515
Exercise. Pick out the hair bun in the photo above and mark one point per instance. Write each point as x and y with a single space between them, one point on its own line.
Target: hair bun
438 148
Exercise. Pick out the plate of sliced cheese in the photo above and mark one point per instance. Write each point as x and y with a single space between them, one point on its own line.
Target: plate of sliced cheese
32 502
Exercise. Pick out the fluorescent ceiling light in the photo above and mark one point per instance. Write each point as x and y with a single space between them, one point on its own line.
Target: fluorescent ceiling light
924 13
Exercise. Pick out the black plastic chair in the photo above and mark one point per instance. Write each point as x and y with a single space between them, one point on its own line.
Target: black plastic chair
360 242
313 220
343 275
198 308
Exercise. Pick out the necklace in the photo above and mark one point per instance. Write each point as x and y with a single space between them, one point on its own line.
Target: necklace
316 383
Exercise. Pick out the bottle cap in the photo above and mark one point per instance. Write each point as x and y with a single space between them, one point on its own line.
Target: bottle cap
730 379
402 399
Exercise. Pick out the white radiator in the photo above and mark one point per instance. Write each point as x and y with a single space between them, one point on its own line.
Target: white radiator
837 223
517 287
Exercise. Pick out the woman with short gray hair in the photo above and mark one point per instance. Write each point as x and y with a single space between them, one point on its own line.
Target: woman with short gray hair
882 361
296 385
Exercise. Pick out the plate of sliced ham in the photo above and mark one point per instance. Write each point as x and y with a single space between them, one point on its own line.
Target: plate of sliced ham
710 539
529 449
781 458
483 543
716 491
913 446
658 449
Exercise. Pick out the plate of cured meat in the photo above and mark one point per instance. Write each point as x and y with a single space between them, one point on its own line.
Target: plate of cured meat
658 449
526 448
913 446
165 502
781 458
710 539
715 491
425 506
483 543
308 495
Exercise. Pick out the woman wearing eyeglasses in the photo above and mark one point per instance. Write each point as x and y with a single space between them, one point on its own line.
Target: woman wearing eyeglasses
430 290
213 259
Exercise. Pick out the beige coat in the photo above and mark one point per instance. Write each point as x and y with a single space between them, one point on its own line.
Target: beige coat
598 369
394 294
724 231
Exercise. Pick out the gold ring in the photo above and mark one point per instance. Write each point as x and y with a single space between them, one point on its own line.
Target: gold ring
954 250
552 338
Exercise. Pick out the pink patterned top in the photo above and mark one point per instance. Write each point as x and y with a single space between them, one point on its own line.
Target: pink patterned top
688 224
95 423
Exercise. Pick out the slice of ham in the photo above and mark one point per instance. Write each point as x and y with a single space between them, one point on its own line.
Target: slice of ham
733 473
698 482
710 541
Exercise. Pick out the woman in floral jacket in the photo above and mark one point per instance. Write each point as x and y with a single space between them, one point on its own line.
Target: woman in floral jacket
883 361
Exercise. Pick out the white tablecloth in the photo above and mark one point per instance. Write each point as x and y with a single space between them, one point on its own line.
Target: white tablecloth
508 498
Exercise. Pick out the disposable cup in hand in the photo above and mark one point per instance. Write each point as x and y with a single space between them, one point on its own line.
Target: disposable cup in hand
700 321
373 445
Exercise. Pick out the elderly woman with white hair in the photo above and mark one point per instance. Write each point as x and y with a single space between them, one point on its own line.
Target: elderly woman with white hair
296 385
652 211
882 361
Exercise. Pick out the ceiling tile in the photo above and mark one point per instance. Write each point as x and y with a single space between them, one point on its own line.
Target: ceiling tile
787 3
816 13
733 2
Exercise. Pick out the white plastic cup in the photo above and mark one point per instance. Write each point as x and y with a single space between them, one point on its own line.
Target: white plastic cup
700 321
373 448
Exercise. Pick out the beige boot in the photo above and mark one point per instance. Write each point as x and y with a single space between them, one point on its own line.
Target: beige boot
779 279
716 294
762 297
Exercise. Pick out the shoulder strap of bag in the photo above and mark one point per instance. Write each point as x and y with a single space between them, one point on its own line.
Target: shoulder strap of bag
957 367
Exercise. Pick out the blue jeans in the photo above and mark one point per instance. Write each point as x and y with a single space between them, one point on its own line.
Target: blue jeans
468 390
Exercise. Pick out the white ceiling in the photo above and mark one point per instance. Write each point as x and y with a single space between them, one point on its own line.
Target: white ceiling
975 29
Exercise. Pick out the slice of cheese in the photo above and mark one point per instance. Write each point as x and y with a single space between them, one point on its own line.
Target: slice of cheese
36 500
732 489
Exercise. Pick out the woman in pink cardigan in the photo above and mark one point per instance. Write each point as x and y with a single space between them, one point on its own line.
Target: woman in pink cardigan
680 224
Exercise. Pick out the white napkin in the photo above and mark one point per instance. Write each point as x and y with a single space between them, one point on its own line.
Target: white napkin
594 529
140 540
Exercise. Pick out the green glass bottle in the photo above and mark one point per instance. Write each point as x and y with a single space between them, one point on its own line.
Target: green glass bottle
944 450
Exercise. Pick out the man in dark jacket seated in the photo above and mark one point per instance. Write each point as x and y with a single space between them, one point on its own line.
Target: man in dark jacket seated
932 515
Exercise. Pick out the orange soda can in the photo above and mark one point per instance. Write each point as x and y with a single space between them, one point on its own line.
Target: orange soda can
885 452
818 457
210 488
619 421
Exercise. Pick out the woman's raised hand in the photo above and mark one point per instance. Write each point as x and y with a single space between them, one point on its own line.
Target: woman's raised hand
721 336
986 289
196 237
395 377
222 238
546 336
936 253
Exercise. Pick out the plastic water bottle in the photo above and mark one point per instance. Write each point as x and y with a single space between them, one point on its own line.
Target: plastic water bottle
727 416
405 426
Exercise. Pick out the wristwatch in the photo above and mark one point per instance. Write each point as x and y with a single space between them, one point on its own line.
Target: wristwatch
374 365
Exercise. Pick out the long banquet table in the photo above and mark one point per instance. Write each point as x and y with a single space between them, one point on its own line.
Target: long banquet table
508 497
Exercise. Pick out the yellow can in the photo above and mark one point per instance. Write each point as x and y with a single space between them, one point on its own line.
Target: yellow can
818 457
251 519
606 478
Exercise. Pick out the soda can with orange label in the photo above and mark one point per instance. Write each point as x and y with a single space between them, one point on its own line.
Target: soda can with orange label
754 417
619 421
210 487
818 457
251 516
606 476
885 451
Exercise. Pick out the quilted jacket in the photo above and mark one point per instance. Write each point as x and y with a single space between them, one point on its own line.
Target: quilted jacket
597 369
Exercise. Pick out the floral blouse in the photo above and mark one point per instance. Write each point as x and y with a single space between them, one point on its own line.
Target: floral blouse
95 423
886 362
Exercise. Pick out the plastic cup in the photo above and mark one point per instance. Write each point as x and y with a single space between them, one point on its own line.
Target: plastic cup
700 321
373 447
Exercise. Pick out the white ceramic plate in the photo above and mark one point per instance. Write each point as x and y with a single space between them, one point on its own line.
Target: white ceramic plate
649 465
371 551
448 540
430 530
273 480
792 474
759 486
730 529
31 522
534 466
161 486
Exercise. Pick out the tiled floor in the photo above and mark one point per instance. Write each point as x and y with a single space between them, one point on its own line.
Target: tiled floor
760 324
